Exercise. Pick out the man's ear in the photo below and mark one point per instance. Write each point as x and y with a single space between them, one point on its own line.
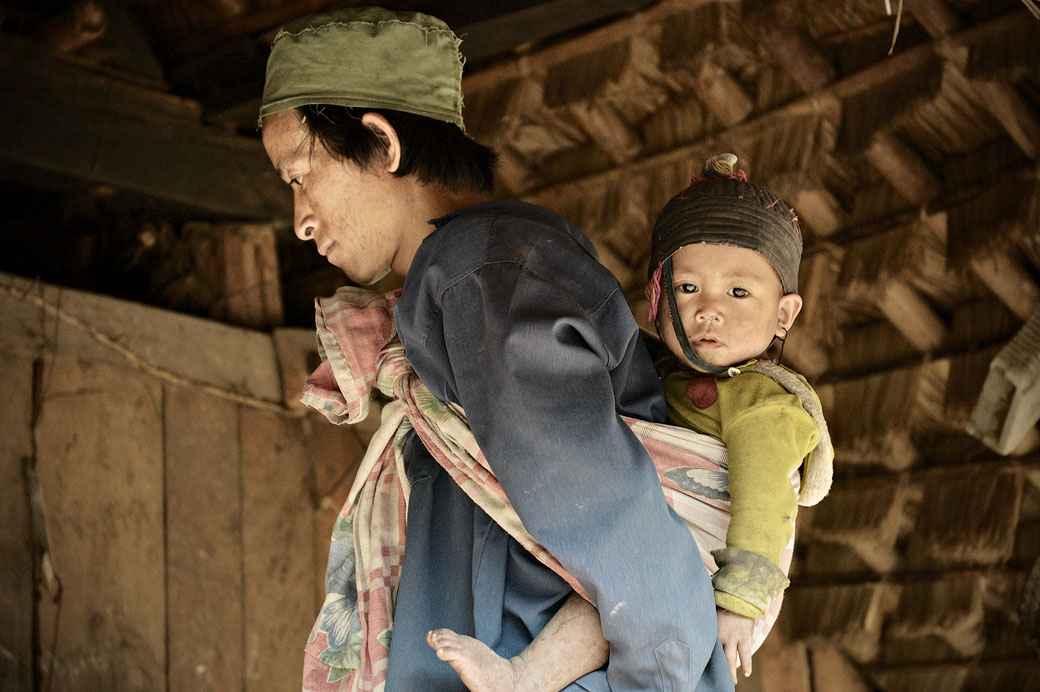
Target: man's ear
386 133
790 306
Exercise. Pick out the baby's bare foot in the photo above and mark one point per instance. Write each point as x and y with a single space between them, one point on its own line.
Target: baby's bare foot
481 669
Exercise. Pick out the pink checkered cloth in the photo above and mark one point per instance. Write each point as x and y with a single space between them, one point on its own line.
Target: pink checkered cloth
349 645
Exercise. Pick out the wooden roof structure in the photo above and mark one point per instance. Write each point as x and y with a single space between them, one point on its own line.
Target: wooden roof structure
907 139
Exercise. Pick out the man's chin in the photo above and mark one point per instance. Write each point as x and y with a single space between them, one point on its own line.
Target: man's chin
372 279
378 277
366 279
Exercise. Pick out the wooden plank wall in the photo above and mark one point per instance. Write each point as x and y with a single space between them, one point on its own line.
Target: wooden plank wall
16 551
99 453
184 506
204 544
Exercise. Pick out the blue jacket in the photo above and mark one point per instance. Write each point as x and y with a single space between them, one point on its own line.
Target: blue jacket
507 312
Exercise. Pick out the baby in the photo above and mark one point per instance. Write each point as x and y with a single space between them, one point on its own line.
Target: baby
723 286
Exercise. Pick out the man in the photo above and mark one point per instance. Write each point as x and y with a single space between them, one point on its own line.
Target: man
506 312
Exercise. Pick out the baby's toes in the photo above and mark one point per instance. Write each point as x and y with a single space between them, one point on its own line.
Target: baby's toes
440 637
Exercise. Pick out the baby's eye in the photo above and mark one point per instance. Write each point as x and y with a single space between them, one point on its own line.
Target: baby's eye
687 288
738 292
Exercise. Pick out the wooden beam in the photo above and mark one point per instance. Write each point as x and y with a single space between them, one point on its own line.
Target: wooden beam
821 103
679 156
912 316
944 535
935 16
203 491
832 670
336 452
904 169
128 137
514 172
486 34
107 330
277 548
99 447
1009 281
1012 112
782 665
775 28
238 264
806 355
539 61
297 352
818 208
906 675
868 434
252 23
18 543
251 280
850 616
808 344
947 609
722 95
607 130
919 677
868 518
1009 405
486 37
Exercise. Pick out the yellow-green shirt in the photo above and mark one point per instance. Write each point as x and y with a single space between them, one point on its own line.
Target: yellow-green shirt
768 435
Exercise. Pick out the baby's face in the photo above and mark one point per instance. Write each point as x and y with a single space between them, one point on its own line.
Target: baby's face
731 303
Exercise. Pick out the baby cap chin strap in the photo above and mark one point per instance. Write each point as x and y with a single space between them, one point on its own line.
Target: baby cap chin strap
677 325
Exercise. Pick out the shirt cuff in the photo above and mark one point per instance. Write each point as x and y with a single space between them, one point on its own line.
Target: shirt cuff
746 581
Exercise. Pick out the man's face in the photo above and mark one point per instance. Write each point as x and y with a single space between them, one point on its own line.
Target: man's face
731 303
344 209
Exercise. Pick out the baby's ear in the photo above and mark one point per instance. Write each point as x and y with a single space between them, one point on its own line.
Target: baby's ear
790 306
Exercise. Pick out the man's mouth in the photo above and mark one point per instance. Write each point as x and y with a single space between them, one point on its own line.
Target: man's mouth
324 249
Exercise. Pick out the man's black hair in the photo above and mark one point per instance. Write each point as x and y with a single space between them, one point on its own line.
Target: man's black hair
436 151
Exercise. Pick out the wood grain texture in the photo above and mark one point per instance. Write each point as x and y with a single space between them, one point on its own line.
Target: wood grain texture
277 549
187 347
100 461
203 542
16 549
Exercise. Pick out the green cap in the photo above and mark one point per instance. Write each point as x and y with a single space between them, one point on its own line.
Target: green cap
367 57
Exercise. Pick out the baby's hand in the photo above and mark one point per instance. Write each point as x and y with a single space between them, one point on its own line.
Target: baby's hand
735 635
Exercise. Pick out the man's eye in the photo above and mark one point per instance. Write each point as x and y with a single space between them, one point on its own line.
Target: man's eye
298 180
738 292
687 288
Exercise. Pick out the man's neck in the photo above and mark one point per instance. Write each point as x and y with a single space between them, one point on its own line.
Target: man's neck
429 202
